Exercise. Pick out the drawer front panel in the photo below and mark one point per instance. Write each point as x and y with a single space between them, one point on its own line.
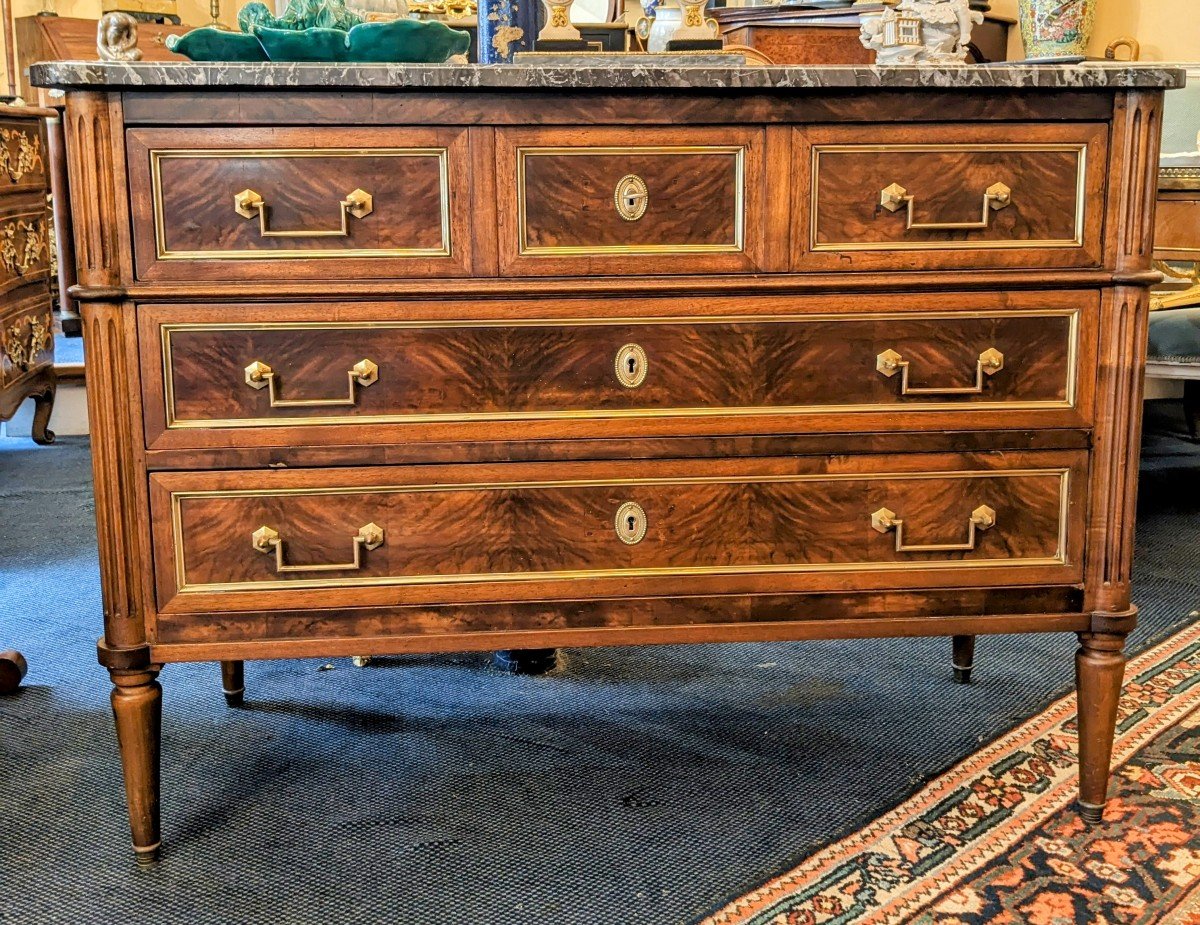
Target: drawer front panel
979 196
282 203
661 201
602 372
22 155
253 540
26 337
24 242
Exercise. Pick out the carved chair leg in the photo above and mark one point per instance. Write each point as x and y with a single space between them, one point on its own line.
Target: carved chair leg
526 661
1099 671
43 405
137 709
233 682
12 669
964 658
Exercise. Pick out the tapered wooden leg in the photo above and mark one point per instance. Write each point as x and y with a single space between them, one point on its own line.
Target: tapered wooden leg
964 658
137 709
233 682
526 661
1099 671
43 405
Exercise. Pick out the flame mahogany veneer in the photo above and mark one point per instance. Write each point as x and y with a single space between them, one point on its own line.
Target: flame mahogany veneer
525 401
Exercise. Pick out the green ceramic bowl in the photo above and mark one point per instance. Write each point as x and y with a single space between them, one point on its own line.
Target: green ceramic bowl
400 41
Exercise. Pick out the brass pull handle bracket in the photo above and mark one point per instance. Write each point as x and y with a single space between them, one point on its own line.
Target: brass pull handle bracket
896 197
267 540
248 203
259 375
990 362
982 518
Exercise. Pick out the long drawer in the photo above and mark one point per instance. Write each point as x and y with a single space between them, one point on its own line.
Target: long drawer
283 540
337 374
285 203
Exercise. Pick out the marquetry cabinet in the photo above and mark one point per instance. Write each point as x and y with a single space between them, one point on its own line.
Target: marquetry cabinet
397 369
26 309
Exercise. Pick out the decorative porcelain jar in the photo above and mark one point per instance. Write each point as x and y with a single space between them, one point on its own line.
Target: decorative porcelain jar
1056 28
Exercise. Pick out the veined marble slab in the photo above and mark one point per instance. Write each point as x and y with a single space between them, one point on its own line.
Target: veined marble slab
155 75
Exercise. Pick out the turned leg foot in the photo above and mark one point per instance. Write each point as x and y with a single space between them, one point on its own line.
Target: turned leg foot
964 658
137 709
12 669
526 661
43 405
233 682
1099 671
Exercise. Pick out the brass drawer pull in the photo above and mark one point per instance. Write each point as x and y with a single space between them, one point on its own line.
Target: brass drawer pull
631 523
247 203
995 197
260 375
266 540
631 197
982 518
991 361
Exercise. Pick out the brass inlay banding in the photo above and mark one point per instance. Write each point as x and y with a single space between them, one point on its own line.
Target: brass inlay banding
162 252
174 423
818 150
737 245
183 587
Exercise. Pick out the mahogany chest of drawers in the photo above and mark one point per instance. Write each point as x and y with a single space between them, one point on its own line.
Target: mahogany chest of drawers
558 359
26 310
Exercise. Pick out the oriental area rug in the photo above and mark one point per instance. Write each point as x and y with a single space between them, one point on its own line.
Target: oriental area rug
997 839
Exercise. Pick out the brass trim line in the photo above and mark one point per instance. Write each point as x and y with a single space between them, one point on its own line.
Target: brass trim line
1080 150
737 246
162 252
173 423
182 586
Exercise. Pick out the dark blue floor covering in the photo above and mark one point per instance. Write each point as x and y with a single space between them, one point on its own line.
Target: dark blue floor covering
635 785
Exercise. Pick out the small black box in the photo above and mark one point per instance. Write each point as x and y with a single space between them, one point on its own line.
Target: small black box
695 45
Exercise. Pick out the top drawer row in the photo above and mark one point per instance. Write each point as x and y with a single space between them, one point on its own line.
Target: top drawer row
263 203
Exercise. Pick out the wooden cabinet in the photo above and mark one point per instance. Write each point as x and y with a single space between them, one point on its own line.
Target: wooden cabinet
26 316
610 366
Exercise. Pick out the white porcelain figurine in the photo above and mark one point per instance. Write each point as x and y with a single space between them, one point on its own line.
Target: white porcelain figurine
921 32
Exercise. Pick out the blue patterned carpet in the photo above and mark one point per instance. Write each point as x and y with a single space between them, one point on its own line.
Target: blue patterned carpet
633 786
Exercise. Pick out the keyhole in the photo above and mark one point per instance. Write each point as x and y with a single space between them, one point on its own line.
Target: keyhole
631 523
631 365
631 201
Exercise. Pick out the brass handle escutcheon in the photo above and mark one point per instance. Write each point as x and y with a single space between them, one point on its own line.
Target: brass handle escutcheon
631 366
248 203
259 375
990 362
995 197
267 540
982 518
631 523
631 197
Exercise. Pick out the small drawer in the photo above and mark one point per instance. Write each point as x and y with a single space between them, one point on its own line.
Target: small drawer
26 338
277 540
949 197
345 374
618 201
319 203
22 156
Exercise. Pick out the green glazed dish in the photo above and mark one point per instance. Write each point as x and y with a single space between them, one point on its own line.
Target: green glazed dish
321 30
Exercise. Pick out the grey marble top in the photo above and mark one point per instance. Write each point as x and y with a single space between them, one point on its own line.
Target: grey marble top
156 75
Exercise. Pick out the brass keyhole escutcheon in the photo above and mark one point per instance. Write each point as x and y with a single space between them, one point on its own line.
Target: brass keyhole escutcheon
631 523
632 197
631 366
